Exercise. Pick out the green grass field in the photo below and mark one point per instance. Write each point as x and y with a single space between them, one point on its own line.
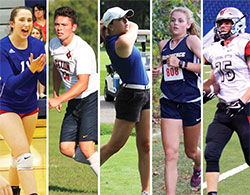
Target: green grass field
104 59
232 155
119 175
185 168
66 176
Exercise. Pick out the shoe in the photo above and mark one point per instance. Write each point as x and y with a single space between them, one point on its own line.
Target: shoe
145 193
16 190
212 193
196 178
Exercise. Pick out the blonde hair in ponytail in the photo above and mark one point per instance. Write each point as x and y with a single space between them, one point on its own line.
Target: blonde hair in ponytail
194 28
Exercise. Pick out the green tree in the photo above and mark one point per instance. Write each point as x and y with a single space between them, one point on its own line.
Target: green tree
87 12
160 20
140 7
87 19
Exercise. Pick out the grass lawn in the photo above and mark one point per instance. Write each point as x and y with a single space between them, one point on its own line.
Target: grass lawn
185 168
104 60
119 175
232 155
66 176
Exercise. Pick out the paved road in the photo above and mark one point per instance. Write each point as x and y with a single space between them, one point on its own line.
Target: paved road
107 112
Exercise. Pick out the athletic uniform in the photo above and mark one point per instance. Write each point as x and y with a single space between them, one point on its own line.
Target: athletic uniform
180 87
233 76
18 85
80 121
134 95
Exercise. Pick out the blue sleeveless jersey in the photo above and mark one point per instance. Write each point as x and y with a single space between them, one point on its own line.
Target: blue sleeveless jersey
186 89
131 69
18 85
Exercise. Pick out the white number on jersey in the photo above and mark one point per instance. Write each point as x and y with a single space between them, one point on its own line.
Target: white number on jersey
23 65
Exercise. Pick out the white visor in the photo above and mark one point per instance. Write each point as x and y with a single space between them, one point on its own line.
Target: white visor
115 13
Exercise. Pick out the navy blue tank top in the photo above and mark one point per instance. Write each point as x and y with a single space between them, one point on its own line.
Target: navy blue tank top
180 85
131 69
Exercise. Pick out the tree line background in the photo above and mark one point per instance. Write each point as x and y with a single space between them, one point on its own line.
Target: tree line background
87 23
141 10
160 21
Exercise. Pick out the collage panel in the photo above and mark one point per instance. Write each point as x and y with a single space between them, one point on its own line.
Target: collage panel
125 77
23 120
176 105
73 103
106 97
226 131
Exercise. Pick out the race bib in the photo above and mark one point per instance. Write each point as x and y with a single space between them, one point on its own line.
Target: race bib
172 73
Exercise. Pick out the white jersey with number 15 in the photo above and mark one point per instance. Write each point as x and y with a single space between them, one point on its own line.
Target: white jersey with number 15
230 68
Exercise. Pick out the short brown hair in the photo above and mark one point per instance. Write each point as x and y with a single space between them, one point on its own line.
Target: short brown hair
67 12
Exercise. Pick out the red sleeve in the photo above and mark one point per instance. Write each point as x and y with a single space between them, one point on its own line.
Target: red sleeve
247 50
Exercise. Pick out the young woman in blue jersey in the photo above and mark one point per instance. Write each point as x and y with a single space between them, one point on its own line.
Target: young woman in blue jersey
133 99
23 62
180 104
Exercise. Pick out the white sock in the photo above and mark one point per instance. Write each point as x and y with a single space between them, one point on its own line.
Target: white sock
94 163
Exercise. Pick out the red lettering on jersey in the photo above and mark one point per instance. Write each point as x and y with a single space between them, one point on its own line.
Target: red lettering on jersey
172 71
65 76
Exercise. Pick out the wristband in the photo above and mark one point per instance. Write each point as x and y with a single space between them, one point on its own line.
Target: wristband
186 64
180 63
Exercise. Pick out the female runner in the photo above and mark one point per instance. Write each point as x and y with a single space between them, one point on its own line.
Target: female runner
180 104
